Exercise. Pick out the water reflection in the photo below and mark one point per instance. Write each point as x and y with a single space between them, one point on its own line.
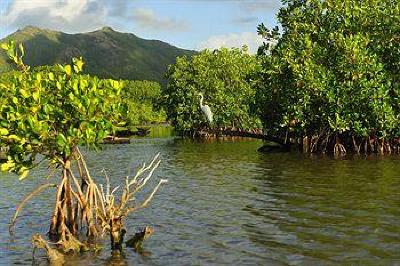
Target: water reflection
328 210
227 204
117 259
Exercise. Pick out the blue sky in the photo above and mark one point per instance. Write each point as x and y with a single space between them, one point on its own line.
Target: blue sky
191 24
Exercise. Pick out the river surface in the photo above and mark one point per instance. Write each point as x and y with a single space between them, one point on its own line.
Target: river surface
227 204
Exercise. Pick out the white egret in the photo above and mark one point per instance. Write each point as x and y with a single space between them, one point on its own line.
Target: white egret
206 109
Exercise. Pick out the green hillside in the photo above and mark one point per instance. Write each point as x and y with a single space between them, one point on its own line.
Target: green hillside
107 53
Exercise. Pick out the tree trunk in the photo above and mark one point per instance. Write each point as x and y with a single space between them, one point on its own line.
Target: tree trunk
117 233
63 215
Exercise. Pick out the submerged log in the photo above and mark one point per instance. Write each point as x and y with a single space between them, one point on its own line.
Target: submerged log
125 133
244 134
116 140
136 241
270 148
142 131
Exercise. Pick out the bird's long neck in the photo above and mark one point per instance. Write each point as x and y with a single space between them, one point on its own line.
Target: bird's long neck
201 100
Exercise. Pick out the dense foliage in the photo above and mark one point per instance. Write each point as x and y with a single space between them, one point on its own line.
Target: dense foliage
332 79
142 100
225 77
52 112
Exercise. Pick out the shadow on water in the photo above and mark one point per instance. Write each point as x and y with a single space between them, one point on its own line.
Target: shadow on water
227 204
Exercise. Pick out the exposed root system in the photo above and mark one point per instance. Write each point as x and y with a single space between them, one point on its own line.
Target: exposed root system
87 205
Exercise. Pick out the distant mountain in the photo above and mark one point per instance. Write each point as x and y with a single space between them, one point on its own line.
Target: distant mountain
107 53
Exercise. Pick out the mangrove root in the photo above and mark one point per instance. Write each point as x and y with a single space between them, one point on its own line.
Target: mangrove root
25 200
53 255
87 204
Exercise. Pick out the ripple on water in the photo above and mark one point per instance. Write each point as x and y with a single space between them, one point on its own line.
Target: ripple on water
227 204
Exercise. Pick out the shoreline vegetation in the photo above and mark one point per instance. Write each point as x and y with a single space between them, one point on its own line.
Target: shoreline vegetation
326 81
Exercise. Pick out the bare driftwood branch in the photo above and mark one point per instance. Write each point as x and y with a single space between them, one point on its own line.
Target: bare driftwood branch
148 199
110 213
142 170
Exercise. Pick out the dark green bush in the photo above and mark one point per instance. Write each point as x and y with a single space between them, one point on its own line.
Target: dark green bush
333 75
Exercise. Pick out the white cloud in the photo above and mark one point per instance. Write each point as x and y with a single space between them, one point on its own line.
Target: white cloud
146 18
68 15
252 40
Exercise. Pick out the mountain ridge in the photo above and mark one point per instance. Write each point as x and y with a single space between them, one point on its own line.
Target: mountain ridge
107 53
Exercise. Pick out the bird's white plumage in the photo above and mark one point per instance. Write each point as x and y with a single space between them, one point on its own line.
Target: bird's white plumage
206 109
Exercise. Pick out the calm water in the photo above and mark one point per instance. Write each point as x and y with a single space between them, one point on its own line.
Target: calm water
227 204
